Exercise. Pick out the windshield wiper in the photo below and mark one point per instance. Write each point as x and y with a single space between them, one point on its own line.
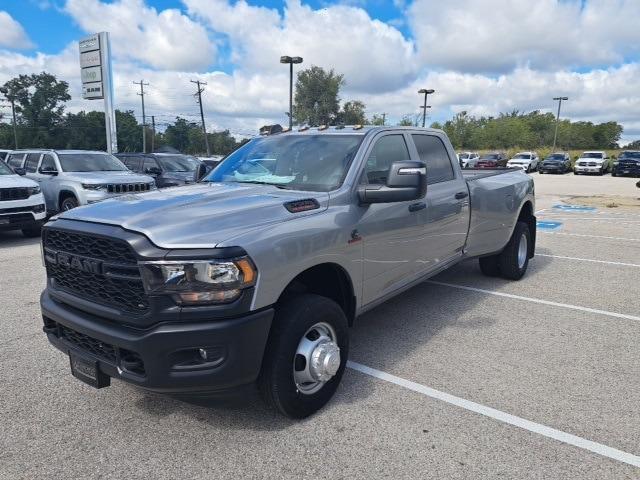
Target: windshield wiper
257 182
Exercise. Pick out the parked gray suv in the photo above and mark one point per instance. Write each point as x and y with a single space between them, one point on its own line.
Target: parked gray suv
70 178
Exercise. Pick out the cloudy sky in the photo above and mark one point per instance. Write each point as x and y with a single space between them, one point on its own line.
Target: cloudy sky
482 56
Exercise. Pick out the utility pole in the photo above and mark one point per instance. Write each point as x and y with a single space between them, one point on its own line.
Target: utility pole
285 59
384 117
555 135
5 92
199 100
425 106
144 118
153 129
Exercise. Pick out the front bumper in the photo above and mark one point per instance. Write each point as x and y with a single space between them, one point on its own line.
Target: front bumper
17 218
596 169
164 358
628 169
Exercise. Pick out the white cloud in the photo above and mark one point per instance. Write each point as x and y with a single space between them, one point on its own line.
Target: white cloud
372 55
499 35
166 40
12 35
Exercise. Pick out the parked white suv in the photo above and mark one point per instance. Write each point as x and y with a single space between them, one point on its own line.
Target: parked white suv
21 203
468 159
70 178
592 162
527 161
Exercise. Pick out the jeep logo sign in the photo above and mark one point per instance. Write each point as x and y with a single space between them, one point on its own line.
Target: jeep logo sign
83 264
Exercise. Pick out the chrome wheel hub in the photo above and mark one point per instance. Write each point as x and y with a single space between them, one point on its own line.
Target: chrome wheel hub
317 358
523 251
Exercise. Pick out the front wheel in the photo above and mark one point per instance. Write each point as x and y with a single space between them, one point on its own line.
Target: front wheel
514 259
306 355
69 203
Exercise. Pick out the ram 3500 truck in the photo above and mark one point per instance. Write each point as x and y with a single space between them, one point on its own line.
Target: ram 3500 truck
256 273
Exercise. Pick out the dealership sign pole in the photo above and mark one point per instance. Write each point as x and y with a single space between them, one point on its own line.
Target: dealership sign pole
97 81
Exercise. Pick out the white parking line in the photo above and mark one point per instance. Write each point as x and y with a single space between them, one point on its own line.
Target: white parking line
590 236
588 260
538 300
504 417
594 219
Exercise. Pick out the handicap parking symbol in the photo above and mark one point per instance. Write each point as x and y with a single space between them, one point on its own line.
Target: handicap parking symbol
546 225
574 208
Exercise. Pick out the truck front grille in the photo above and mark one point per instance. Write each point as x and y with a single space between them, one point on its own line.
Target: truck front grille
128 187
101 270
16 193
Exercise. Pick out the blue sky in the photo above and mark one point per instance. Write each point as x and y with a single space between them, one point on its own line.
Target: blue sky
481 56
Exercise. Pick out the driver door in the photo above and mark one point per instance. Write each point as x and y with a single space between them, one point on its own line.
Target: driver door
392 233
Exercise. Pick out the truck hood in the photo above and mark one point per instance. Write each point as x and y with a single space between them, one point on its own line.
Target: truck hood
197 216
107 177
12 181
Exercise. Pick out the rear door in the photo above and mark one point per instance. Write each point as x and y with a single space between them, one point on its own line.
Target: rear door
31 165
15 160
47 182
447 202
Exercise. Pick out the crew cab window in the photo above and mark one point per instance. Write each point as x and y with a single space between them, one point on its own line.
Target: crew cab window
389 149
132 163
32 162
434 154
15 160
149 163
48 163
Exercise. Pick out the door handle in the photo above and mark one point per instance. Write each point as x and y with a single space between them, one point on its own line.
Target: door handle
414 207
461 195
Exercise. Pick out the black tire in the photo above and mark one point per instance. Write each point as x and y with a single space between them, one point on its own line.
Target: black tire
293 318
575 173
32 232
68 203
510 267
490 266
614 173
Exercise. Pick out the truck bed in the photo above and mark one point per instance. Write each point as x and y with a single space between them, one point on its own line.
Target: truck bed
495 201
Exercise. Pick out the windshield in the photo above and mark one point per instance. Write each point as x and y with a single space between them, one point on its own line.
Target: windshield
4 170
178 163
489 156
298 162
464 156
524 156
90 162
634 155
555 156
592 155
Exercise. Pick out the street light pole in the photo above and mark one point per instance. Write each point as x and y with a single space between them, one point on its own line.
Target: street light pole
290 60
424 107
5 92
555 135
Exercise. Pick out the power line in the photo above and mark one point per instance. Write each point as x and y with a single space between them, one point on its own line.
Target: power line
199 100
144 119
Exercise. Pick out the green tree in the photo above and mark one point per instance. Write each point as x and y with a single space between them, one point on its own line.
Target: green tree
376 120
409 120
635 145
177 135
40 100
353 113
316 99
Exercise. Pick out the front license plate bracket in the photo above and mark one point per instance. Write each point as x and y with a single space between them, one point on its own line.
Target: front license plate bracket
87 370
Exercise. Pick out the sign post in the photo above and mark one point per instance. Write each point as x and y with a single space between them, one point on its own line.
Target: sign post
97 80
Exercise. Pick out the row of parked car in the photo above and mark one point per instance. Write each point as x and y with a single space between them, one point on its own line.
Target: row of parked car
597 162
35 184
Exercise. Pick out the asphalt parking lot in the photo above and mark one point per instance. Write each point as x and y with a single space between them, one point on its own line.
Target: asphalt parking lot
461 377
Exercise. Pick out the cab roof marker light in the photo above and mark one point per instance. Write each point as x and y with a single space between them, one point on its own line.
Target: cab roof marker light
357 127
303 129
285 130
323 127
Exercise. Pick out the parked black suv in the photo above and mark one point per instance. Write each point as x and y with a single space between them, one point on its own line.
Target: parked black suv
628 163
168 169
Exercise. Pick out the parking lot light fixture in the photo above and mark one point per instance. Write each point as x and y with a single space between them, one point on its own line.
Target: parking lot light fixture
426 92
290 60
555 135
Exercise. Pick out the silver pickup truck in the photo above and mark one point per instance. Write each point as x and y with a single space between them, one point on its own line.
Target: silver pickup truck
256 273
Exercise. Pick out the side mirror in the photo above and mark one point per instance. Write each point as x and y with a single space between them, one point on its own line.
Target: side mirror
153 171
46 171
406 181
20 171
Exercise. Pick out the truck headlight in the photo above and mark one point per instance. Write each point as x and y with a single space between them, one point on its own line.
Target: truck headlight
199 282
93 186
34 190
